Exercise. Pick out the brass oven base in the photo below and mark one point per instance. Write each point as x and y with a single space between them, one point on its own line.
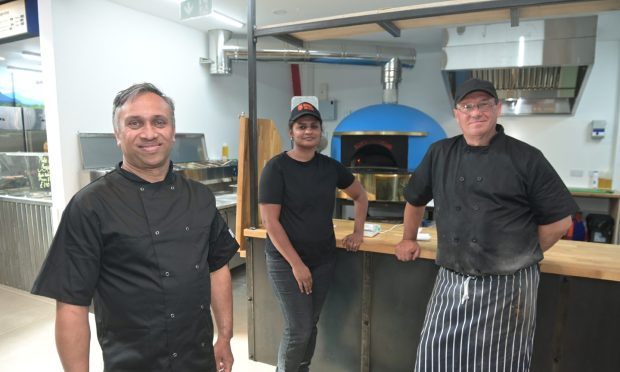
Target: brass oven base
381 186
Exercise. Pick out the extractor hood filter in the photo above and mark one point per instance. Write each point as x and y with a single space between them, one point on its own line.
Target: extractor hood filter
538 67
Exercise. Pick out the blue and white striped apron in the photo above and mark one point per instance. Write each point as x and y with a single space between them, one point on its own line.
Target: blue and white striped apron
479 323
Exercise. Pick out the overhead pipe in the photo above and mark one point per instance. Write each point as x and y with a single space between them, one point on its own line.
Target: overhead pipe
223 48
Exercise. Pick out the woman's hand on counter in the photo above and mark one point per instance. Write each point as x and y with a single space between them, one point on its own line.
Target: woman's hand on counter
353 241
407 250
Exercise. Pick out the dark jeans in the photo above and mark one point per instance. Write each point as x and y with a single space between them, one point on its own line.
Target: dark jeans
300 311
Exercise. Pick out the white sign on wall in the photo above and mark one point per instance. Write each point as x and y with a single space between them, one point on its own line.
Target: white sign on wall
195 8
13 19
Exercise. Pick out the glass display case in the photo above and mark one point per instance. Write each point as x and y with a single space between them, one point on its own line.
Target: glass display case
25 174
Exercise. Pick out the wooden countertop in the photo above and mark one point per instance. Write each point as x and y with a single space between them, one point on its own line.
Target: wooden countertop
567 257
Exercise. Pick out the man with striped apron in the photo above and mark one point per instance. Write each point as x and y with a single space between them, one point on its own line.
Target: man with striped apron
499 205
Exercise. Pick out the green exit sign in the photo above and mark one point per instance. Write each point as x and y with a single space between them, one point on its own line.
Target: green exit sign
195 8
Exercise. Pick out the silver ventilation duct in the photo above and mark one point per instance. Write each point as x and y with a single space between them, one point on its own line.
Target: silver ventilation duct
538 67
391 77
224 48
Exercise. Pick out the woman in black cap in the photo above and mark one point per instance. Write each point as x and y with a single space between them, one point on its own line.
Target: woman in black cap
296 198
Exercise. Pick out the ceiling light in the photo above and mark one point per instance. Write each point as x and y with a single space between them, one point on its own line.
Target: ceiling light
31 55
226 19
16 68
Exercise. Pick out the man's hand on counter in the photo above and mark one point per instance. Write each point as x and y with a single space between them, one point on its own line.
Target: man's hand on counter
407 250
353 241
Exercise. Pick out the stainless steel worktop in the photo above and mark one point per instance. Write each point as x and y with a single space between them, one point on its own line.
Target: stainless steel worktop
225 200
28 198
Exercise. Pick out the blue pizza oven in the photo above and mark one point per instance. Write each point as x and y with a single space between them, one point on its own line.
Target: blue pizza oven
382 144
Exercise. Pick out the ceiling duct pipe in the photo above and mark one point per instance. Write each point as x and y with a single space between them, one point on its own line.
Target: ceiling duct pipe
224 48
391 77
218 63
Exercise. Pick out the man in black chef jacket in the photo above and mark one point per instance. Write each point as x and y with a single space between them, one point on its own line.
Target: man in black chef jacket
498 205
150 249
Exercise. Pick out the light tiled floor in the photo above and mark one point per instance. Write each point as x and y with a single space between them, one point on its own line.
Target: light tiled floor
27 332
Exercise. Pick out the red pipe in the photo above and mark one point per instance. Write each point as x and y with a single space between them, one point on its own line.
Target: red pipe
296 80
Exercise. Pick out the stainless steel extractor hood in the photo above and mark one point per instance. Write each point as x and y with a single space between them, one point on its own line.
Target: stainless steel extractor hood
538 67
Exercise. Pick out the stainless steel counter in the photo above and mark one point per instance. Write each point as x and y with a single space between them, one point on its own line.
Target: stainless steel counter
225 200
26 231
226 203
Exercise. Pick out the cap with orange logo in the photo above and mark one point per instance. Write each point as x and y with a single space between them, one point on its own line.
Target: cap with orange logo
302 109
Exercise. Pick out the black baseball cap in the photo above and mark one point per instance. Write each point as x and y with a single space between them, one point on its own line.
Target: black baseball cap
302 109
474 85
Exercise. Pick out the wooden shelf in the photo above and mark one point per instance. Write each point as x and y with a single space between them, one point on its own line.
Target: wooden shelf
432 14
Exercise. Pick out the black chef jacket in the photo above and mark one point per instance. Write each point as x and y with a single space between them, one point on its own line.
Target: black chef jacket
489 201
143 251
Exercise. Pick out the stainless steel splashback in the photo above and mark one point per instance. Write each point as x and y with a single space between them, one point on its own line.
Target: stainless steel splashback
538 67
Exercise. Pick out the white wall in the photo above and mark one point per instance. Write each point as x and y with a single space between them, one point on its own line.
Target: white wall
91 49
565 140
355 87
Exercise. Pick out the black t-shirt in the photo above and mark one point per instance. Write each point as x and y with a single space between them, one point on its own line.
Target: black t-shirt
489 201
306 193
143 251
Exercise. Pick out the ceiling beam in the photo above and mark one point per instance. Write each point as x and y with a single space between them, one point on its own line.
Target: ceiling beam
390 27
514 17
439 14
291 40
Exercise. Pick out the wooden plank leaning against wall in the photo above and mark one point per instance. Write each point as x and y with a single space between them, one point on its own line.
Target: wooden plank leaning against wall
269 144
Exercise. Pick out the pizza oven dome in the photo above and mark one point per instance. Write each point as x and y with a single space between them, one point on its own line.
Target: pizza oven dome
385 135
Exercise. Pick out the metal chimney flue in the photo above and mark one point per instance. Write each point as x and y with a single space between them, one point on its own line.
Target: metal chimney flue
219 64
391 75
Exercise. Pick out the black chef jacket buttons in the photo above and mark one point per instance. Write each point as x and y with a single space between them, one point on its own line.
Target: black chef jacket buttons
202 307
203 344
157 232
461 178
174 355
171 315
476 207
479 179
186 228
166 273
474 240
171 187
197 267
142 188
